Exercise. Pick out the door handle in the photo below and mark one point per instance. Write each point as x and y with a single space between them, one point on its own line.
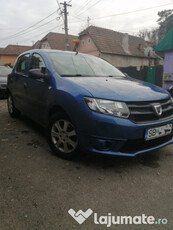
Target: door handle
25 85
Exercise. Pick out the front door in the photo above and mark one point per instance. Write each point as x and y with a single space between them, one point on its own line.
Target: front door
18 82
37 91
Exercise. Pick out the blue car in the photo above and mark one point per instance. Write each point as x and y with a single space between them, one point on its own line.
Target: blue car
86 103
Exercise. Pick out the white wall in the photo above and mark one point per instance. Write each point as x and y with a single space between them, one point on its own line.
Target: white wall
45 45
126 61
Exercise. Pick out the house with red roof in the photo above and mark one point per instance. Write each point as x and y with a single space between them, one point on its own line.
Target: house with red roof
120 49
55 41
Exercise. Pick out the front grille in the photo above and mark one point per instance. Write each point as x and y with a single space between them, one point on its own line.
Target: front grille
141 112
132 146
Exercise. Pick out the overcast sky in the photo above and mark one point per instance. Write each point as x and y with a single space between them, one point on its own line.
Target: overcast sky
19 18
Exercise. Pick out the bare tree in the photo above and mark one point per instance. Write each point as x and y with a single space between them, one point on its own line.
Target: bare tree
165 22
149 35
154 35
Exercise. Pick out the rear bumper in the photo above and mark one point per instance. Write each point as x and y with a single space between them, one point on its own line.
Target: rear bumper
117 136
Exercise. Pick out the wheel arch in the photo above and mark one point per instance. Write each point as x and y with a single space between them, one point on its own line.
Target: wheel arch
57 109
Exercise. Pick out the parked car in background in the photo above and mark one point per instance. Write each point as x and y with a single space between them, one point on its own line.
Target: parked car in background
86 103
4 71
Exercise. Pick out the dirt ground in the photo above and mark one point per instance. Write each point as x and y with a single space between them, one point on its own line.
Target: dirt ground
37 188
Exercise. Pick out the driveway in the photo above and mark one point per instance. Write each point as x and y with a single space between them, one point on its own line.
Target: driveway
37 188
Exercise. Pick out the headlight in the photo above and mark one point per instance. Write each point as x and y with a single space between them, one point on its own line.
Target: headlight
114 108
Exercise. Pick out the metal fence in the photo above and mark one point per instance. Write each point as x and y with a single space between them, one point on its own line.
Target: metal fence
152 74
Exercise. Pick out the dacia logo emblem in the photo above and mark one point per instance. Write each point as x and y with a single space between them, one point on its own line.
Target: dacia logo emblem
157 109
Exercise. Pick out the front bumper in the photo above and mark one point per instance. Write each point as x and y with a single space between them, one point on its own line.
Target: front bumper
117 136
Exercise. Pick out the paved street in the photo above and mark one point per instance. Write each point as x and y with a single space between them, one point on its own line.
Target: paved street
37 188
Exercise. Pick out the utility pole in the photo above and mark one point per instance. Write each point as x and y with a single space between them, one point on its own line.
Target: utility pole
66 24
88 21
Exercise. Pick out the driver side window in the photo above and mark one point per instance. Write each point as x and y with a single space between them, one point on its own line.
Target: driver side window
37 63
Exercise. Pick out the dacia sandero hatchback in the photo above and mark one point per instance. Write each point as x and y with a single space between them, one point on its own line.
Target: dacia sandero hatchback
86 103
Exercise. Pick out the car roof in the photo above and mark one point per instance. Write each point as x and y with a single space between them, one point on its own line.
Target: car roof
46 51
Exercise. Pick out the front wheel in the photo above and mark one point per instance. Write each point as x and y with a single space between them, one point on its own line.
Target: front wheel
62 136
11 107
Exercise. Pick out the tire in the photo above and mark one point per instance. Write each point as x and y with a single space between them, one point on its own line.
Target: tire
62 136
13 112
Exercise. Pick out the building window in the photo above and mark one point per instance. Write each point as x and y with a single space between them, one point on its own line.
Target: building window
83 42
89 41
43 46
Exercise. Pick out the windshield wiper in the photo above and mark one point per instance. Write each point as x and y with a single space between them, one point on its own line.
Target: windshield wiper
77 75
71 75
115 76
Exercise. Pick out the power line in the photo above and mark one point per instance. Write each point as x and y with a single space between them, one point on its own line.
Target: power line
45 32
10 28
59 8
77 18
30 26
26 32
82 6
50 30
43 24
89 7
108 16
36 32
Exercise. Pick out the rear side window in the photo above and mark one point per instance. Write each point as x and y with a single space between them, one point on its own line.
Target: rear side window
22 64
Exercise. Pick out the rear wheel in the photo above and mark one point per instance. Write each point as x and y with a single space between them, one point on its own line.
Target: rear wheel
62 136
11 107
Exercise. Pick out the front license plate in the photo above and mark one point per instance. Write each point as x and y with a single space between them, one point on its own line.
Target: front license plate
158 132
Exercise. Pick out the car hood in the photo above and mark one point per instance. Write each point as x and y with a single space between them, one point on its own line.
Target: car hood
120 88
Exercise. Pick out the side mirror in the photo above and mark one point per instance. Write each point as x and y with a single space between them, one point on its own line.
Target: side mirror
39 74
170 90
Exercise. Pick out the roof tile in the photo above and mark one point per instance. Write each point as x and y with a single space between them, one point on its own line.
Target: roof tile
57 41
109 41
15 50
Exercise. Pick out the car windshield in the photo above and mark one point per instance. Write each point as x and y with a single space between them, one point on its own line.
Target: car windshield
67 64
4 71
